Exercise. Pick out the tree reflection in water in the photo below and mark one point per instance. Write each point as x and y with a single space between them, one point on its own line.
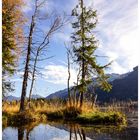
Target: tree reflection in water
20 133
57 131
23 132
76 131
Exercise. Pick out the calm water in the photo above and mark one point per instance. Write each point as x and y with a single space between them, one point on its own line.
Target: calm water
60 131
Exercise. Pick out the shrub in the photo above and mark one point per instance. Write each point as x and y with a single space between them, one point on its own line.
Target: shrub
71 112
114 118
55 115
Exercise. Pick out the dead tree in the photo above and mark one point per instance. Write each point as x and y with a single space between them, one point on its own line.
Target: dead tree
72 91
77 99
57 24
36 47
69 75
72 96
26 70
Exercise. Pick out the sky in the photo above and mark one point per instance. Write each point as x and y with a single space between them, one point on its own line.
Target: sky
117 32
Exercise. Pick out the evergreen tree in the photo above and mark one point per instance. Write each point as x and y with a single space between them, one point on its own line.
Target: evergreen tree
84 46
12 21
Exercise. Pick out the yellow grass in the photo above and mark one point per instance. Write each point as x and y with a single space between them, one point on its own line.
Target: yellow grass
10 108
44 106
43 110
87 108
52 107
38 107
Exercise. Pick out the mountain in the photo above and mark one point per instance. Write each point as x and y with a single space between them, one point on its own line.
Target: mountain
59 94
114 76
11 98
63 93
124 87
36 96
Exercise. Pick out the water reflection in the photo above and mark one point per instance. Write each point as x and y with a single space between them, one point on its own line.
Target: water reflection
76 131
20 133
45 131
58 131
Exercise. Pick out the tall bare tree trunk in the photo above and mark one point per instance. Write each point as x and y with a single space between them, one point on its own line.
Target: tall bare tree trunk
25 78
55 26
94 98
83 59
77 97
41 48
69 96
33 76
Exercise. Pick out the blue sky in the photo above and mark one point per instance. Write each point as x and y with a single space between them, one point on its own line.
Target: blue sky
117 32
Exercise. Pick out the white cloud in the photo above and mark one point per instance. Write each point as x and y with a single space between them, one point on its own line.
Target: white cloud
124 52
117 68
16 80
116 30
59 6
62 37
20 73
58 74
118 33
112 56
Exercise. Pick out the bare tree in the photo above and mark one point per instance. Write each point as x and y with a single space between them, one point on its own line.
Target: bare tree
72 92
37 45
69 76
42 47
26 71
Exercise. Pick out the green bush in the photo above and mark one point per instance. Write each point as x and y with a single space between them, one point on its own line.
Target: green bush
71 112
102 118
55 115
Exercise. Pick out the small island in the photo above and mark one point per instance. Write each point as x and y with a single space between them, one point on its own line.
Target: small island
65 70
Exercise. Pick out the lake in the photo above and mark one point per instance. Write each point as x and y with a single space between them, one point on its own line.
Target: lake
70 131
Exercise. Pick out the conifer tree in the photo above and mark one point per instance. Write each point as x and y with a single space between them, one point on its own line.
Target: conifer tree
84 46
12 23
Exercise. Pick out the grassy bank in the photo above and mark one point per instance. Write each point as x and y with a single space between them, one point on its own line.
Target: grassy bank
18 119
97 117
59 111
108 118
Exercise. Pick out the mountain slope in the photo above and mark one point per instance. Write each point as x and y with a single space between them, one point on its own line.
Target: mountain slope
124 87
36 96
11 98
